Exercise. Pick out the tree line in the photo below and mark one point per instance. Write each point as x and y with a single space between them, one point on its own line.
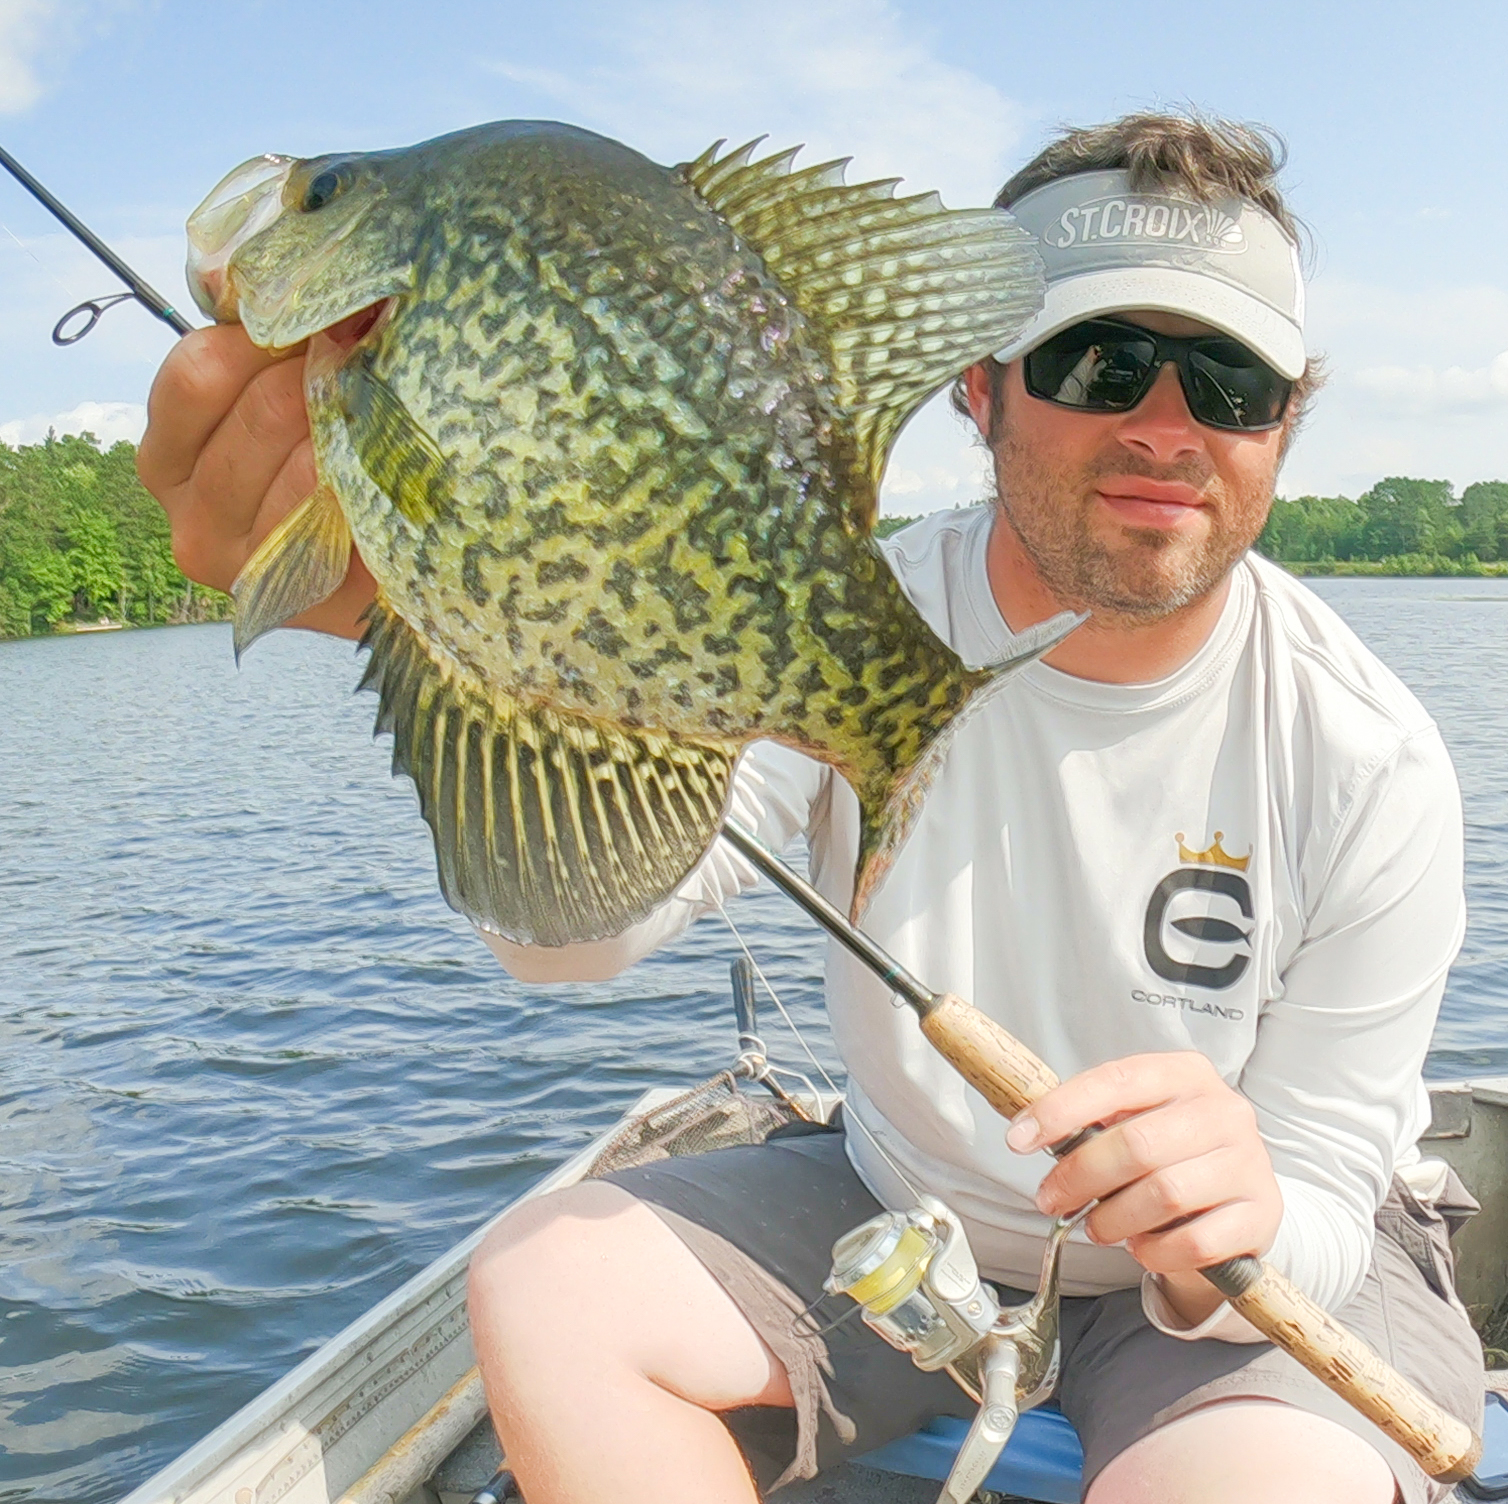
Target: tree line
82 542
1400 526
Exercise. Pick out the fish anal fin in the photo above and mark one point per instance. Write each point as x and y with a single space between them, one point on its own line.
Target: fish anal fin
550 828
301 562
889 804
905 293
401 458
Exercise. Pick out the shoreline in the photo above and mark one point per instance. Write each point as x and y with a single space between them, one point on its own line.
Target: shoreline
99 629
1420 568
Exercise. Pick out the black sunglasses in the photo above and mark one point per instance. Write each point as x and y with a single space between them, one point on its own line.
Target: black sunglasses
1105 366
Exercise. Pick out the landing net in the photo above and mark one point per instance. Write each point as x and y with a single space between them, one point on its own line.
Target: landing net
718 1114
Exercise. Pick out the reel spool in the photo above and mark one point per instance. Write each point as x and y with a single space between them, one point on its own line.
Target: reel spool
915 1278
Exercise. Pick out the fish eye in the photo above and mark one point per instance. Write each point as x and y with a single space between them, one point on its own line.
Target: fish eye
322 188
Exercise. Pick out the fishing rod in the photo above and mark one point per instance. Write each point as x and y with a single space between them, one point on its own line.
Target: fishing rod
141 291
1010 1078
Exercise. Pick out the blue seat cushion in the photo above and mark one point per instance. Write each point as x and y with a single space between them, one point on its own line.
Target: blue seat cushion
1493 1468
1042 1461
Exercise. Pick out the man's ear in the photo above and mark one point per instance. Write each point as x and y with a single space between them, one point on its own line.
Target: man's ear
978 389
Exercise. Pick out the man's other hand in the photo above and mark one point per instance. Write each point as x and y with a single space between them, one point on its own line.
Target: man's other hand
1180 1172
227 453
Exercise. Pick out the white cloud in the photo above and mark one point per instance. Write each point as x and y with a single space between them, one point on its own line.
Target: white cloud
36 34
109 422
1426 389
23 24
1419 384
847 77
936 463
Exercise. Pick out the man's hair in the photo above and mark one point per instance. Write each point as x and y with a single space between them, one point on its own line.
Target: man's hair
1202 156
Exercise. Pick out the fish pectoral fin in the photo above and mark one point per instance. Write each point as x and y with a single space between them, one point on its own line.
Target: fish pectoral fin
301 562
403 461
905 292
550 827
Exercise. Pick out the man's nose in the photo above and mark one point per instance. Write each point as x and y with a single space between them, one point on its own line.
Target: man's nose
1160 427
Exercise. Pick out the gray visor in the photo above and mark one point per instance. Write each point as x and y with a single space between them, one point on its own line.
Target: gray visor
1109 250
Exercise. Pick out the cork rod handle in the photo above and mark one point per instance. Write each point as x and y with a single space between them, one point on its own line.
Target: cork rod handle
1010 1078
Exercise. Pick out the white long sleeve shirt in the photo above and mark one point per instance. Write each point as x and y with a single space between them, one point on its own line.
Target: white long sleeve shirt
1257 857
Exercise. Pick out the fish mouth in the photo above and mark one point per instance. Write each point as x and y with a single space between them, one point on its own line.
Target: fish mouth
335 345
245 201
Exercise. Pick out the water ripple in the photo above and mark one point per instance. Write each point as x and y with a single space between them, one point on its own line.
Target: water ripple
254 1073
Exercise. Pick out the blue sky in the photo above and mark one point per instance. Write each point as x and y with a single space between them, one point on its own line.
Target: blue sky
1396 117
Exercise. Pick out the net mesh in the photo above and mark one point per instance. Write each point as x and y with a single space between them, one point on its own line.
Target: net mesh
718 1114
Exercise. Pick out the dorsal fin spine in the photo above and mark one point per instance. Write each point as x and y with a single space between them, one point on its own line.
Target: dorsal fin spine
903 293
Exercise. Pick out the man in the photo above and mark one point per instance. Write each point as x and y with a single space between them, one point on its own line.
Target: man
1205 860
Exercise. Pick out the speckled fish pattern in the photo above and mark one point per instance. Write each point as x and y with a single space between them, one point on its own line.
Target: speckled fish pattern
615 475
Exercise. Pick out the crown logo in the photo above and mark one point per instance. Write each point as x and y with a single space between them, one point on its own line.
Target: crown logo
1215 856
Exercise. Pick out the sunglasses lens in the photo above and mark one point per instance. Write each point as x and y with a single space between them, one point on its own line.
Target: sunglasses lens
1105 367
1230 387
1099 367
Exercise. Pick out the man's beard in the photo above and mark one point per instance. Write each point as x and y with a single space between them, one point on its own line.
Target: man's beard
1142 573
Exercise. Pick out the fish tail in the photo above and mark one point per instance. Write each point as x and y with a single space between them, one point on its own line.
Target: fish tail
891 798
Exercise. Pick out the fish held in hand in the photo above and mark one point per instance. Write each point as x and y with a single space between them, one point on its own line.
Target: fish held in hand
609 438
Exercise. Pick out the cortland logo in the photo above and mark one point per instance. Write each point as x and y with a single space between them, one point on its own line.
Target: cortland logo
1213 872
1156 221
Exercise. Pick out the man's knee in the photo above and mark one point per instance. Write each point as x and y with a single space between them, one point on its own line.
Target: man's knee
549 1265
1247 1452
591 1280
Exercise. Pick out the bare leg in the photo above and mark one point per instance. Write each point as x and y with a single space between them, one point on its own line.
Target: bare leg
607 1348
1247 1452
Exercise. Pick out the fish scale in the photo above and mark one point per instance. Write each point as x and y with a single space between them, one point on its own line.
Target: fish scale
611 453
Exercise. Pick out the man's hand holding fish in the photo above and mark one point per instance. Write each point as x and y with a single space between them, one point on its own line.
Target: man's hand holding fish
609 444
227 452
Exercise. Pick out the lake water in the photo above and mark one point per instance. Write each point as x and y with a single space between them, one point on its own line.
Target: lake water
254 1074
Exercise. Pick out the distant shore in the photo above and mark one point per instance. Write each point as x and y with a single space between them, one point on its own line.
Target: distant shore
1409 567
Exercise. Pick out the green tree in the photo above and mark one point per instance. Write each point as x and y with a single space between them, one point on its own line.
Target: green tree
80 537
1404 516
47 588
95 563
1484 516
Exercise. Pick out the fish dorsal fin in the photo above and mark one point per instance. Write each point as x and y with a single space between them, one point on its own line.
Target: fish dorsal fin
904 293
550 827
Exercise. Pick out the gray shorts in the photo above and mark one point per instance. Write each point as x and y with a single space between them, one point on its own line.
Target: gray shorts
763 1220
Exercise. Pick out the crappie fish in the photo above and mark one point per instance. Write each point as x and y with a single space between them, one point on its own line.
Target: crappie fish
609 437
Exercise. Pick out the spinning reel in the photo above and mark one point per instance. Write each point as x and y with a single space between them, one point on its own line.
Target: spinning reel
918 1286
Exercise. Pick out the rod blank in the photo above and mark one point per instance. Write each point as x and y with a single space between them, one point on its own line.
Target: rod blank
142 290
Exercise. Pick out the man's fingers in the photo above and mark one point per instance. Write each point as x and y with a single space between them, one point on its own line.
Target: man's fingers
197 386
1169 1195
1223 1232
1135 1147
245 457
1104 1093
294 482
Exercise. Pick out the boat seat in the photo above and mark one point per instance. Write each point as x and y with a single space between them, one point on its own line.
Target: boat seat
1042 1461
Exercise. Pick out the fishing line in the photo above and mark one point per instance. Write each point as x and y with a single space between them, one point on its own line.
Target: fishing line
42 266
791 1024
